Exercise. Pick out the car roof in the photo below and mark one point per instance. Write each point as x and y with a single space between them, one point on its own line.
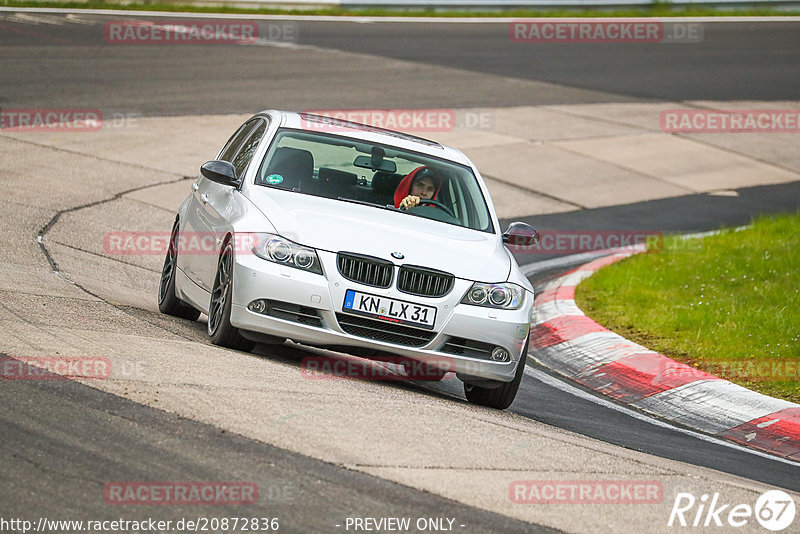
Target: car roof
363 132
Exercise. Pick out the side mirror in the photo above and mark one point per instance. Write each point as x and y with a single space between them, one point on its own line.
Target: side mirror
520 234
221 172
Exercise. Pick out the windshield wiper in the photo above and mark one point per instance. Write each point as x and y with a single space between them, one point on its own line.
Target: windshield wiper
365 203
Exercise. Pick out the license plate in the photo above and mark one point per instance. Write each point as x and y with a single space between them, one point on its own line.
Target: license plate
389 310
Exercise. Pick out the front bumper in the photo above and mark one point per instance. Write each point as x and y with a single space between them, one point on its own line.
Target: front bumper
470 330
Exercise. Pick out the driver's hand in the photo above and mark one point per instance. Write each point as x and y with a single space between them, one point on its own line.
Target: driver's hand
409 202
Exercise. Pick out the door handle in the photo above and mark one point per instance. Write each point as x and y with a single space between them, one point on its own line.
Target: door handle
204 198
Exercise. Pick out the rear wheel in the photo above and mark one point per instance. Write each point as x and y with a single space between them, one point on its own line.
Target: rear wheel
220 330
168 301
500 397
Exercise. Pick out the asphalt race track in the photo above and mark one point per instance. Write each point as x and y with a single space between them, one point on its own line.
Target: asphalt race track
63 440
735 61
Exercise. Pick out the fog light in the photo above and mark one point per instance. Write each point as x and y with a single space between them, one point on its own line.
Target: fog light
499 354
257 306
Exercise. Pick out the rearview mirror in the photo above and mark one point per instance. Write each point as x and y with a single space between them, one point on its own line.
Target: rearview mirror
221 172
520 234
366 162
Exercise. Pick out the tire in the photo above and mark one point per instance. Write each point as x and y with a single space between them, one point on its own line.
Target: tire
220 330
168 301
501 397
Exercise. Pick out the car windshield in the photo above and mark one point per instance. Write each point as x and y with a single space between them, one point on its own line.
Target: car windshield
351 170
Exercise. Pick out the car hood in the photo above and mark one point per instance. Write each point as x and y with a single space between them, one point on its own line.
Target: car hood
338 226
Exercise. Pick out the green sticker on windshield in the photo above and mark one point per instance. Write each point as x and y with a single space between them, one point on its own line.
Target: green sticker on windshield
274 179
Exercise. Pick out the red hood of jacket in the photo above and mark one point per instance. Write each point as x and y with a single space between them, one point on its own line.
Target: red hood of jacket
404 188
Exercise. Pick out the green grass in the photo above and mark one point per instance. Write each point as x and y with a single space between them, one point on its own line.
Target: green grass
657 9
724 303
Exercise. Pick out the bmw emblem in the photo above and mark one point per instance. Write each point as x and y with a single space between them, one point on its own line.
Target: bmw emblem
397 255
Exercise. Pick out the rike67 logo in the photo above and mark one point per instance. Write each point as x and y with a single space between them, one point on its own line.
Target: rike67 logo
774 510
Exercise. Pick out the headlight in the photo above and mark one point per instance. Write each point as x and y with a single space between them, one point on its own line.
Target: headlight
279 250
505 296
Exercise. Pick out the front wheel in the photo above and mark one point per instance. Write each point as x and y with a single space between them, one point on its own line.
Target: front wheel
168 301
500 397
220 330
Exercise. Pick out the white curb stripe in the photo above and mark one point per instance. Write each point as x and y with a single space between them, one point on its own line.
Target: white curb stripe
530 269
601 401
711 405
554 308
576 357
575 278
707 405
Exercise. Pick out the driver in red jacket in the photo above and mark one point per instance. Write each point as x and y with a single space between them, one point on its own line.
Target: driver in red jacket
420 184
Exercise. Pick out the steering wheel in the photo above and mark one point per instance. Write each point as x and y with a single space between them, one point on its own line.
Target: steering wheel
440 205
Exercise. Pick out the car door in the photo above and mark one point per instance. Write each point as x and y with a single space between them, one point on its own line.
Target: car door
217 203
190 257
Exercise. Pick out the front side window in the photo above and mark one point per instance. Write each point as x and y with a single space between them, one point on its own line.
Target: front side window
350 170
236 141
248 148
